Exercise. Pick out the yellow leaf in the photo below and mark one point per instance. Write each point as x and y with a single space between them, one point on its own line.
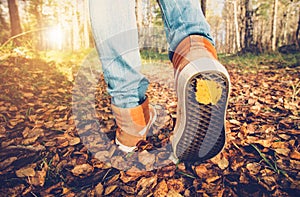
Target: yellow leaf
208 92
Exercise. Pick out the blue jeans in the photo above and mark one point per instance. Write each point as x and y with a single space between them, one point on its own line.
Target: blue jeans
116 36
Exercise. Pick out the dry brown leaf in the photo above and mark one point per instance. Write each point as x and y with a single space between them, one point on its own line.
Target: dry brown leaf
146 158
173 193
83 169
276 145
295 155
61 108
176 185
283 151
110 189
126 178
113 179
212 179
74 141
201 171
39 178
4 164
28 94
270 183
29 141
235 122
99 189
128 189
221 161
253 168
161 189
25 172
102 155
13 108
146 184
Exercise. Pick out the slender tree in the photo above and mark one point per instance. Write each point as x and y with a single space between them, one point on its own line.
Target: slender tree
236 25
297 33
249 39
203 6
139 13
274 25
15 24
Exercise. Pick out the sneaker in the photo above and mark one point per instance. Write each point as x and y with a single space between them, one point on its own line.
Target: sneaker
133 125
202 87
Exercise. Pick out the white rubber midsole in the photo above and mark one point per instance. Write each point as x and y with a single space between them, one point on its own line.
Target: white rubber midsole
182 79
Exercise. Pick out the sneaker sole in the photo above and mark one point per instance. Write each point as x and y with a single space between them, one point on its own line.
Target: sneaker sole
200 134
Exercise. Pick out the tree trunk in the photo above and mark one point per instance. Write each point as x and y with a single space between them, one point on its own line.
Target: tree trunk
139 13
248 40
203 6
236 24
15 24
297 33
86 37
274 25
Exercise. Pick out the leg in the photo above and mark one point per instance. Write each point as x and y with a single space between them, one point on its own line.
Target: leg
116 37
181 19
202 83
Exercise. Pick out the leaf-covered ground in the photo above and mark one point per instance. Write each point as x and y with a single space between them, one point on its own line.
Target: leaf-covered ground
43 137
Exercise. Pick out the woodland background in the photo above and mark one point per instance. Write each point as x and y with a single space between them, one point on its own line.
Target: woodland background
236 25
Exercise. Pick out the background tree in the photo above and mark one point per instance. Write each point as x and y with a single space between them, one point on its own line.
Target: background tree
203 6
274 25
249 40
15 24
4 26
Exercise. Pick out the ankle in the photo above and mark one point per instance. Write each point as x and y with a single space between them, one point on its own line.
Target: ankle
192 48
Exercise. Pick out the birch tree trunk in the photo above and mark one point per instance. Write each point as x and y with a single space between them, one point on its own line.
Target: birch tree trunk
139 13
86 37
274 25
236 24
249 40
75 27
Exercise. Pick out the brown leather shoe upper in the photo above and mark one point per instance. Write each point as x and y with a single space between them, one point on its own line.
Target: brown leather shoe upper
130 122
192 48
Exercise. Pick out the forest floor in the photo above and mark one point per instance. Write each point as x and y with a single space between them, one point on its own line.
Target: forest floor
57 131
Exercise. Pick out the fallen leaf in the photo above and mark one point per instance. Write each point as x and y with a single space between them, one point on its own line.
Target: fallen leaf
74 141
146 184
110 189
146 158
161 189
212 179
208 92
221 161
7 162
83 169
173 193
176 185
283 151
28 94
253 168
40 176
99 189
295 155
201 171
25 172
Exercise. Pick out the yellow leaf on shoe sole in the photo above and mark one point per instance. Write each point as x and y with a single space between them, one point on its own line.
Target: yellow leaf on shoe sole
208 92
